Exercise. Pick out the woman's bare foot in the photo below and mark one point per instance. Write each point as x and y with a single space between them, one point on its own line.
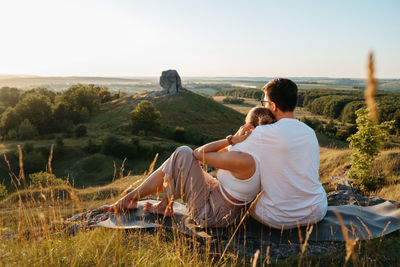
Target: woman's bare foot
163 207
120 205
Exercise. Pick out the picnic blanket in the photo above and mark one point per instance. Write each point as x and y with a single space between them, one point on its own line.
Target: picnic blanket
340 222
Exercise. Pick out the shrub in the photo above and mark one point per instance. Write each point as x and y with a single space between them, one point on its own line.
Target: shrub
179 134
364 144
113 145
27 148
26 130
80 131
346 132
330 128
44 179
316 124
34 161
3 191
233 100
12 134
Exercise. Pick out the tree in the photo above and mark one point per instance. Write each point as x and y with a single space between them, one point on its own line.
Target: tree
38 110
365 143
40 91
81 101
9 96
349 111
145 117
26 130
9 121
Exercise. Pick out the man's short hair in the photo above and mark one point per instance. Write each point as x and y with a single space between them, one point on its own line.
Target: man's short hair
283 92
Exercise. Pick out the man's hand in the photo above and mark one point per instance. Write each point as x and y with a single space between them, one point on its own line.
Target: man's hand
243 132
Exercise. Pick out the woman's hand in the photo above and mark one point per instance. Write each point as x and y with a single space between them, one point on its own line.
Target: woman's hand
243 132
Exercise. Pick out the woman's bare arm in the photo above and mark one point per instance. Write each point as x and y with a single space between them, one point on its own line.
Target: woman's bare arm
240 164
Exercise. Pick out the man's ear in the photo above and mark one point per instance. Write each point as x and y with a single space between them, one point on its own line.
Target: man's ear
274 107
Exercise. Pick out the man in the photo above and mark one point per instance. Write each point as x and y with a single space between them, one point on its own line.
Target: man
288 153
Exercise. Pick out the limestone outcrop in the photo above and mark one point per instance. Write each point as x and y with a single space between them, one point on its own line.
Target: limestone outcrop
170 81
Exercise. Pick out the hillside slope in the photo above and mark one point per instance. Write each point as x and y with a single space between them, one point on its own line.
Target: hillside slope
193 112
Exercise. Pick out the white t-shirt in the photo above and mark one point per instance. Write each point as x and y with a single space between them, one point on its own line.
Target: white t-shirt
288 153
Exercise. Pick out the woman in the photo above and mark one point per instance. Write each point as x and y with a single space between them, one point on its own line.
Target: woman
210 201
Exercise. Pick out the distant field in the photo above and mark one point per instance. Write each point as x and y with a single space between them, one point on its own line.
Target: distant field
201 85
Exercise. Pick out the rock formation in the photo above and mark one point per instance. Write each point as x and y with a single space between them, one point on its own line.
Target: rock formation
171 82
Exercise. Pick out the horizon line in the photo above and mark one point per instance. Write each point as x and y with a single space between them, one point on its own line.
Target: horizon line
22 76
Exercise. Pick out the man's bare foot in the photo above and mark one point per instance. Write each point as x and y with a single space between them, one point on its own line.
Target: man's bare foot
120 205
163 207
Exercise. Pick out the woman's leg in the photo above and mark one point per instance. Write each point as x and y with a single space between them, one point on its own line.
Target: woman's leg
153 184
165 207
181 177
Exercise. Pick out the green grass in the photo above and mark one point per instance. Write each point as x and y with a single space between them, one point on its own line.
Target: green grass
198 114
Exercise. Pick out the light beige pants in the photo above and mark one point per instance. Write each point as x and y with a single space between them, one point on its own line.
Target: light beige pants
186 180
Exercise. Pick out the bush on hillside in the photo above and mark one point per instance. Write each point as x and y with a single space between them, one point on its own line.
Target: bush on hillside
11 135
113 145
26 130
233 100
316 124
330 128
44 179
34 161
9 121
3 192
365 146
179 134
345 132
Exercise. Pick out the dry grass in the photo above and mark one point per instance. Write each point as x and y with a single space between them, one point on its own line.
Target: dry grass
32 233
333 162
391 191
387 164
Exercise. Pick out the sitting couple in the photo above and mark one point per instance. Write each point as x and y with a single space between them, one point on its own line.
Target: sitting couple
273 153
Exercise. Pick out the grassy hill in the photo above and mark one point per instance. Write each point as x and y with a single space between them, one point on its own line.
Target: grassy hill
193 112
200 117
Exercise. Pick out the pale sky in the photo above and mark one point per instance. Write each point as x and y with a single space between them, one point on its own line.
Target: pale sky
199 38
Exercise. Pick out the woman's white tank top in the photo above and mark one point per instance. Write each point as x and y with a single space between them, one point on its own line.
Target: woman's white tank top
243 190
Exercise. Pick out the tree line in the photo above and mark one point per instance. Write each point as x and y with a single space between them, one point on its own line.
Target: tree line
25 114
335 104
342 105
